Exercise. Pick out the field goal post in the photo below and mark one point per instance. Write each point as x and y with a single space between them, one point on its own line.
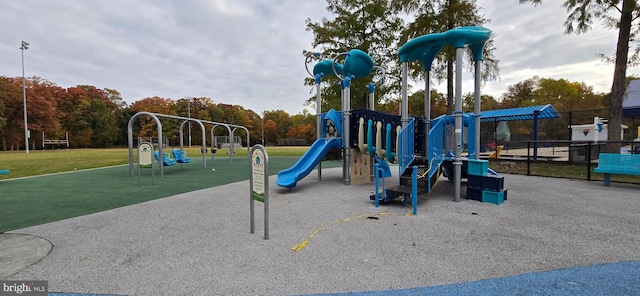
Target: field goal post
55 142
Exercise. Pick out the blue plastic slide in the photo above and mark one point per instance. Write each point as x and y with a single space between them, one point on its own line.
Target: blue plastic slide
289 177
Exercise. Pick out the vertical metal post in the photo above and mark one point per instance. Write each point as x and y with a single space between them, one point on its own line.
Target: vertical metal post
414 189
528 158
404 109
427 113
495 133
25 45
346 127
377 167
319 118
477 100
189 116
372 97
372 103
342 106
457 114
266 194
571 130
589 161
259 185
536 114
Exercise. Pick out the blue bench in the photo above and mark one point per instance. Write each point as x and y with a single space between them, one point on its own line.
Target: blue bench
4 172
621 164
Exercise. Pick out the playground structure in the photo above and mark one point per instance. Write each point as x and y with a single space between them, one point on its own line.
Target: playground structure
179 155
418 146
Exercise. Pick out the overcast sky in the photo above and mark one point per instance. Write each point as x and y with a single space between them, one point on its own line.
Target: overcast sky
249 52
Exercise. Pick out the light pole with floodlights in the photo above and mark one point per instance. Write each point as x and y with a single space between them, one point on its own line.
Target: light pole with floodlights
25 45
189 115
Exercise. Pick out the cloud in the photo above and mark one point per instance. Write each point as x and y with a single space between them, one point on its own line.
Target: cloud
249 52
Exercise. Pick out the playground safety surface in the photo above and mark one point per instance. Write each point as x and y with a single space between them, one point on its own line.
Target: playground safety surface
552 237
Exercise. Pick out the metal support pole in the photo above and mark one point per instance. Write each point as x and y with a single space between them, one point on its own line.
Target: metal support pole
427 113
372 97
343 91
404 109
457 114
377 194
25 45
536 115
346 129
189 116
589 161
319 119
528 158
414 189
372 103
477 100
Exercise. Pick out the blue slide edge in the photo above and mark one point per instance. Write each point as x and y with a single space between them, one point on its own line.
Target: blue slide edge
289 178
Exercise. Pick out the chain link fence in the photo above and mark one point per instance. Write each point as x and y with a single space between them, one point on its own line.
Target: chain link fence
566 147
565 159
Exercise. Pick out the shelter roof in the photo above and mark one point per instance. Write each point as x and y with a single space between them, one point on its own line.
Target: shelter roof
522 113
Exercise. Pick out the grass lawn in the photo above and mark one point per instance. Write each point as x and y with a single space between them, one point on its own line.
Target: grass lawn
98 179
38 162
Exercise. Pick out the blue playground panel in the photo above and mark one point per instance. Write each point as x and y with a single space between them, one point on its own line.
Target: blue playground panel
326 68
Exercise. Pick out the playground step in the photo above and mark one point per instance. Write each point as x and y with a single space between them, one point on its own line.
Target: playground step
406 181
405 178
419 161
405 190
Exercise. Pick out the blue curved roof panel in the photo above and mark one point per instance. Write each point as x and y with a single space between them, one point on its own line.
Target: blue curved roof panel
522 113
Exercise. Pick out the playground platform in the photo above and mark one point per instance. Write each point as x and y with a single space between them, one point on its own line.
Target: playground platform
552 237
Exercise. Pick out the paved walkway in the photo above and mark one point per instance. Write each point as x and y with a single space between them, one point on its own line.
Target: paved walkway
199 243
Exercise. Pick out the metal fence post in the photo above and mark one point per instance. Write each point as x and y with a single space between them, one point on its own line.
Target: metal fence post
528 158
589 161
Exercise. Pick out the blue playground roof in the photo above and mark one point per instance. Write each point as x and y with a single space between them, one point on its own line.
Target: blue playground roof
522 113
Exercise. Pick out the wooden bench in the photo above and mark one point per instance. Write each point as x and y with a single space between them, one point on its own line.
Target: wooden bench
621 164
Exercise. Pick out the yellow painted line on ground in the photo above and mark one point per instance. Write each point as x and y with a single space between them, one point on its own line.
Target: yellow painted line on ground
302 245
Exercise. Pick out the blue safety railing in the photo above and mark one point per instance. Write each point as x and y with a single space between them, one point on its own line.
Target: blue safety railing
406 155
436 145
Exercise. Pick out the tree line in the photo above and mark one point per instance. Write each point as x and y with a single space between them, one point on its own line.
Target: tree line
98 118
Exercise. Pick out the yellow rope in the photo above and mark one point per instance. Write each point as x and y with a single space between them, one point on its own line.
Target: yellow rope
302 245
428 170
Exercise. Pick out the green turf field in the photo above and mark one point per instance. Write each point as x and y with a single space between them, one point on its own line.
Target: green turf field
36 200
39 162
